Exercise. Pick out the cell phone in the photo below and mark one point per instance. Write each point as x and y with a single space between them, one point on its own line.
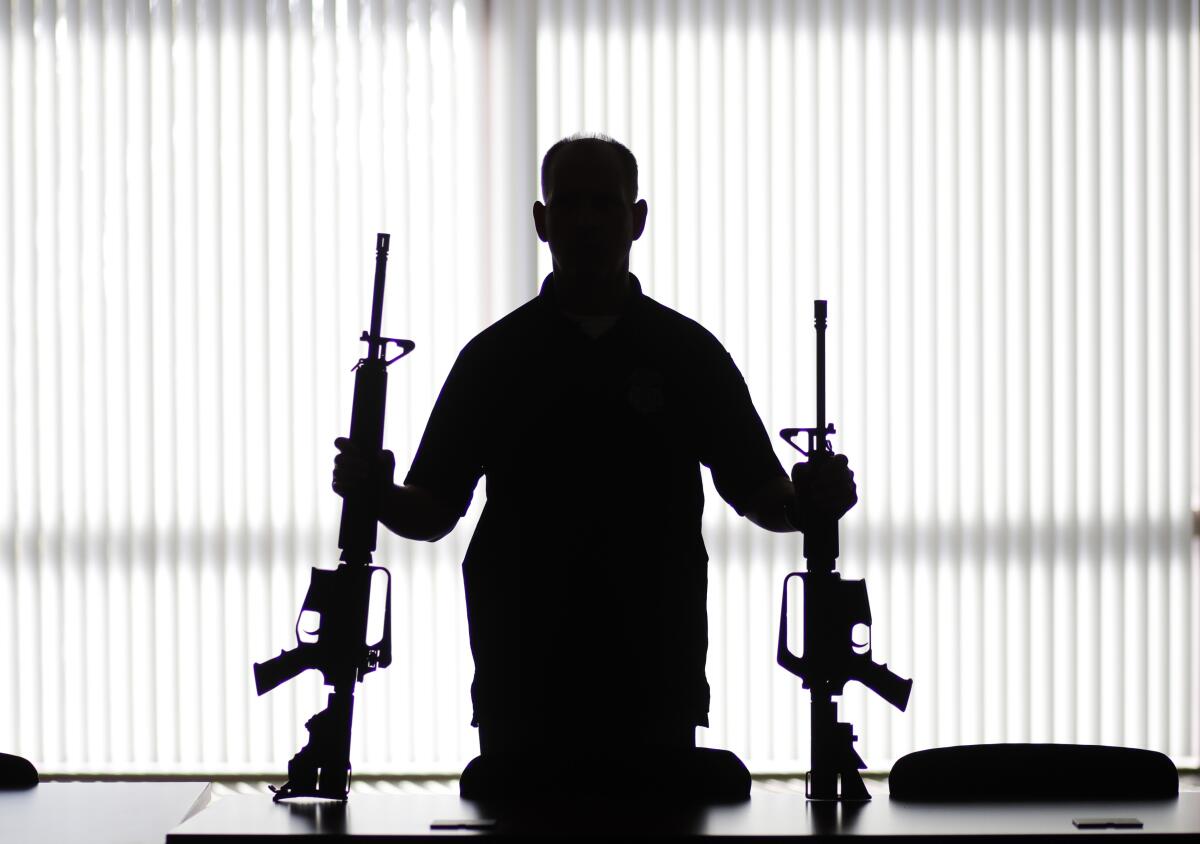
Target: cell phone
1107 823
465 823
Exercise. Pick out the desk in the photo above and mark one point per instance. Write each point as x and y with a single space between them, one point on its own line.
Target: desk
377 818
97 812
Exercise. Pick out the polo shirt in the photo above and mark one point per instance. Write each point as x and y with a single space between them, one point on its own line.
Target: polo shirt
586 577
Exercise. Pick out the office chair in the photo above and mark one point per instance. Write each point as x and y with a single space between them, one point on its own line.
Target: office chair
695 775
992 772
16 772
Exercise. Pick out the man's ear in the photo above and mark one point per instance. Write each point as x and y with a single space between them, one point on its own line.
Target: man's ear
539 220
640 210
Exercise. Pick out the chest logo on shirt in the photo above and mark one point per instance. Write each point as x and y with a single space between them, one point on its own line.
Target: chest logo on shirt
646 391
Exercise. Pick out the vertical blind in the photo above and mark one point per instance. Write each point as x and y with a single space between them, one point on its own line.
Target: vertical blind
998 199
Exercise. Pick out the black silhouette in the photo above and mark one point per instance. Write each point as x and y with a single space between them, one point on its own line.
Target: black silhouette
341 597
590 410
684 774
991 772
832 609
16 772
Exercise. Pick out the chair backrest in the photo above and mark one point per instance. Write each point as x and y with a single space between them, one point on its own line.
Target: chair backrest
698 775
16 772
991 772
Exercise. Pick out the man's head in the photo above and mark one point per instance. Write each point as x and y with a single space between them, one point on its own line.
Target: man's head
596 144
591 214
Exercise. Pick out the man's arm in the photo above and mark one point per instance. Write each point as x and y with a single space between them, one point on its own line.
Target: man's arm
416 513
407 510
769 506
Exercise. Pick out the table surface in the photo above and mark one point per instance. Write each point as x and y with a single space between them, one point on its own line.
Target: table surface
148 812
98 812
379 818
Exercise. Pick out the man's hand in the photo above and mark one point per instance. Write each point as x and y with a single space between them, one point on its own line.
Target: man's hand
825 490
355 474
408 511
820 490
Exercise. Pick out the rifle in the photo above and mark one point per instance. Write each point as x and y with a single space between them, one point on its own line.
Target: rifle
341 597
832 609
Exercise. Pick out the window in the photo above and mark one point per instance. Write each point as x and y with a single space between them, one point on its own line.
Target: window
998 199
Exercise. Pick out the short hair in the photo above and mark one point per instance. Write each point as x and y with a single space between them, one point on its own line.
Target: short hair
624 156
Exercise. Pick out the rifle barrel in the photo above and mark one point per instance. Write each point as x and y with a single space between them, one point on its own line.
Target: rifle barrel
382 241
820 320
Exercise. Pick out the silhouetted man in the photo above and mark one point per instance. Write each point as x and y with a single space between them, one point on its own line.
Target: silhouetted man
590 410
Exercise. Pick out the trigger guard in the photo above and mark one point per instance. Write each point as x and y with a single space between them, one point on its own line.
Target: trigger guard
300 632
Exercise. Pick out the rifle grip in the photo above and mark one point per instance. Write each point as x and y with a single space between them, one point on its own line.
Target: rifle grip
883 681
279 669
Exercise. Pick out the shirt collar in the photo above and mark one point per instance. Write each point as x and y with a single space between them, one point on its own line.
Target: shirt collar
546 294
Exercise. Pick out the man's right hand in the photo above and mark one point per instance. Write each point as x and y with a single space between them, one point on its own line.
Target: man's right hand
409 511
354 473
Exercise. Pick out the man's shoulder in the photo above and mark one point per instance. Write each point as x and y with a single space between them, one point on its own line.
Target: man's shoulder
523 328
678 328
512 329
